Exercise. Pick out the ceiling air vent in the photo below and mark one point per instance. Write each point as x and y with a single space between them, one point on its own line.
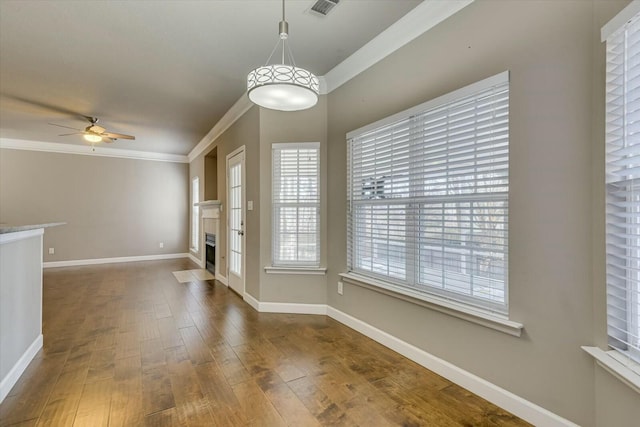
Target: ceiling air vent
323 7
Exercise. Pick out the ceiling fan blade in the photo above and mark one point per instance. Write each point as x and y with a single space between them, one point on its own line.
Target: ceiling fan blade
106 139
67 127
45 106
95 129
118 135
75 133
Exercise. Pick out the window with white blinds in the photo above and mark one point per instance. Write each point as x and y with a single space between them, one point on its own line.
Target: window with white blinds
623 188
428 197
195 213
296 204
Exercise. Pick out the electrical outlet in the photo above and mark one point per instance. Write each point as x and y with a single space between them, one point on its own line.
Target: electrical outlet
340 284
52 251
161 245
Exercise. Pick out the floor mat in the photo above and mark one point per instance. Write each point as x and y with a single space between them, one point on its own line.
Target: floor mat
193 275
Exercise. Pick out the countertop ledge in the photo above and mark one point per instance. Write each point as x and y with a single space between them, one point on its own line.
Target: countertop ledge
15 228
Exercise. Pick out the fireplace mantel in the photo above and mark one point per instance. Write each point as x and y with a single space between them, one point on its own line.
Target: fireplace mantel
209 208
209 204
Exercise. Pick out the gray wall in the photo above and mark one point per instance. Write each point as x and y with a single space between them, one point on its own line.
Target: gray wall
245 131
552 50
300 126
211 177
257 130
113 207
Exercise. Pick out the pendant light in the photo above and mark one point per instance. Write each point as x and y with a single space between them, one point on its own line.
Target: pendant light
280 86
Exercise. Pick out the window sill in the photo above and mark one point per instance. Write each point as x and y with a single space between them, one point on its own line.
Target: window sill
296 270
617 365
483 318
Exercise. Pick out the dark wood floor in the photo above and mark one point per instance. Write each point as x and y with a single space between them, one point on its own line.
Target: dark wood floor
127 345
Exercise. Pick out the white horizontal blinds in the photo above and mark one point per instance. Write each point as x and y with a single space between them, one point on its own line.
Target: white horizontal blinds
428 198
380 190
296 205
623 188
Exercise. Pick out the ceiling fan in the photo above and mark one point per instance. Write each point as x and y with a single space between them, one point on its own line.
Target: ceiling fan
95 133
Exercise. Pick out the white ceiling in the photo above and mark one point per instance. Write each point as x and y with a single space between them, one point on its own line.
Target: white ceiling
164 71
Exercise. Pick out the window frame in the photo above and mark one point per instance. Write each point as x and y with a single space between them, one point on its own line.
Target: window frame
195 214
622 207
612 360
281 265
457 302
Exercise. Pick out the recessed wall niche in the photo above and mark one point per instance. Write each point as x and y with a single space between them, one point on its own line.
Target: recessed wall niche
211 175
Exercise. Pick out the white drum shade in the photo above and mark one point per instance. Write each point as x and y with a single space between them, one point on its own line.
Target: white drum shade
283 87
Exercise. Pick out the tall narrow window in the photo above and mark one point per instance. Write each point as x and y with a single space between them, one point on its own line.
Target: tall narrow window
296 204
428 193
623 188
195 213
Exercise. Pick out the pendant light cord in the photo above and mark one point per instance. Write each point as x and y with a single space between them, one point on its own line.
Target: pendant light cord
283 40
293 62
272 52
286 49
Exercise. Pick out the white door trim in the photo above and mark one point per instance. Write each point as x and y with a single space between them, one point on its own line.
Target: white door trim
240 150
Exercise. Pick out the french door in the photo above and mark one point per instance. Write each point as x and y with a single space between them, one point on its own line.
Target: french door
236 220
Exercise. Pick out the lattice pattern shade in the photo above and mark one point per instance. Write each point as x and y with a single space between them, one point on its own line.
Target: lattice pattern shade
283 87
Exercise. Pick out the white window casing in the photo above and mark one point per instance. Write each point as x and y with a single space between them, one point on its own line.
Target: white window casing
195 214
296 204
428 192
622 140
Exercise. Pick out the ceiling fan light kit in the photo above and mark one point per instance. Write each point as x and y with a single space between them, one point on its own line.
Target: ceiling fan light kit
92 138
283 87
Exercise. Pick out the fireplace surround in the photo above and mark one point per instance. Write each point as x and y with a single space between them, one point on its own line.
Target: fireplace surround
210 230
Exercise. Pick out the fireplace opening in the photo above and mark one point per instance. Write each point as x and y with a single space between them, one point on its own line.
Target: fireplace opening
210 252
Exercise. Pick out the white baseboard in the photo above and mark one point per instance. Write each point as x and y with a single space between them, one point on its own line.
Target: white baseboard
522 408
193 258
251 301
220 278
293 308
285 307
18 369
72 263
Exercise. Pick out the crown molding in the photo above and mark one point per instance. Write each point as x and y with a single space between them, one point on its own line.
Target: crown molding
242 105
54 147
322 85
423 17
